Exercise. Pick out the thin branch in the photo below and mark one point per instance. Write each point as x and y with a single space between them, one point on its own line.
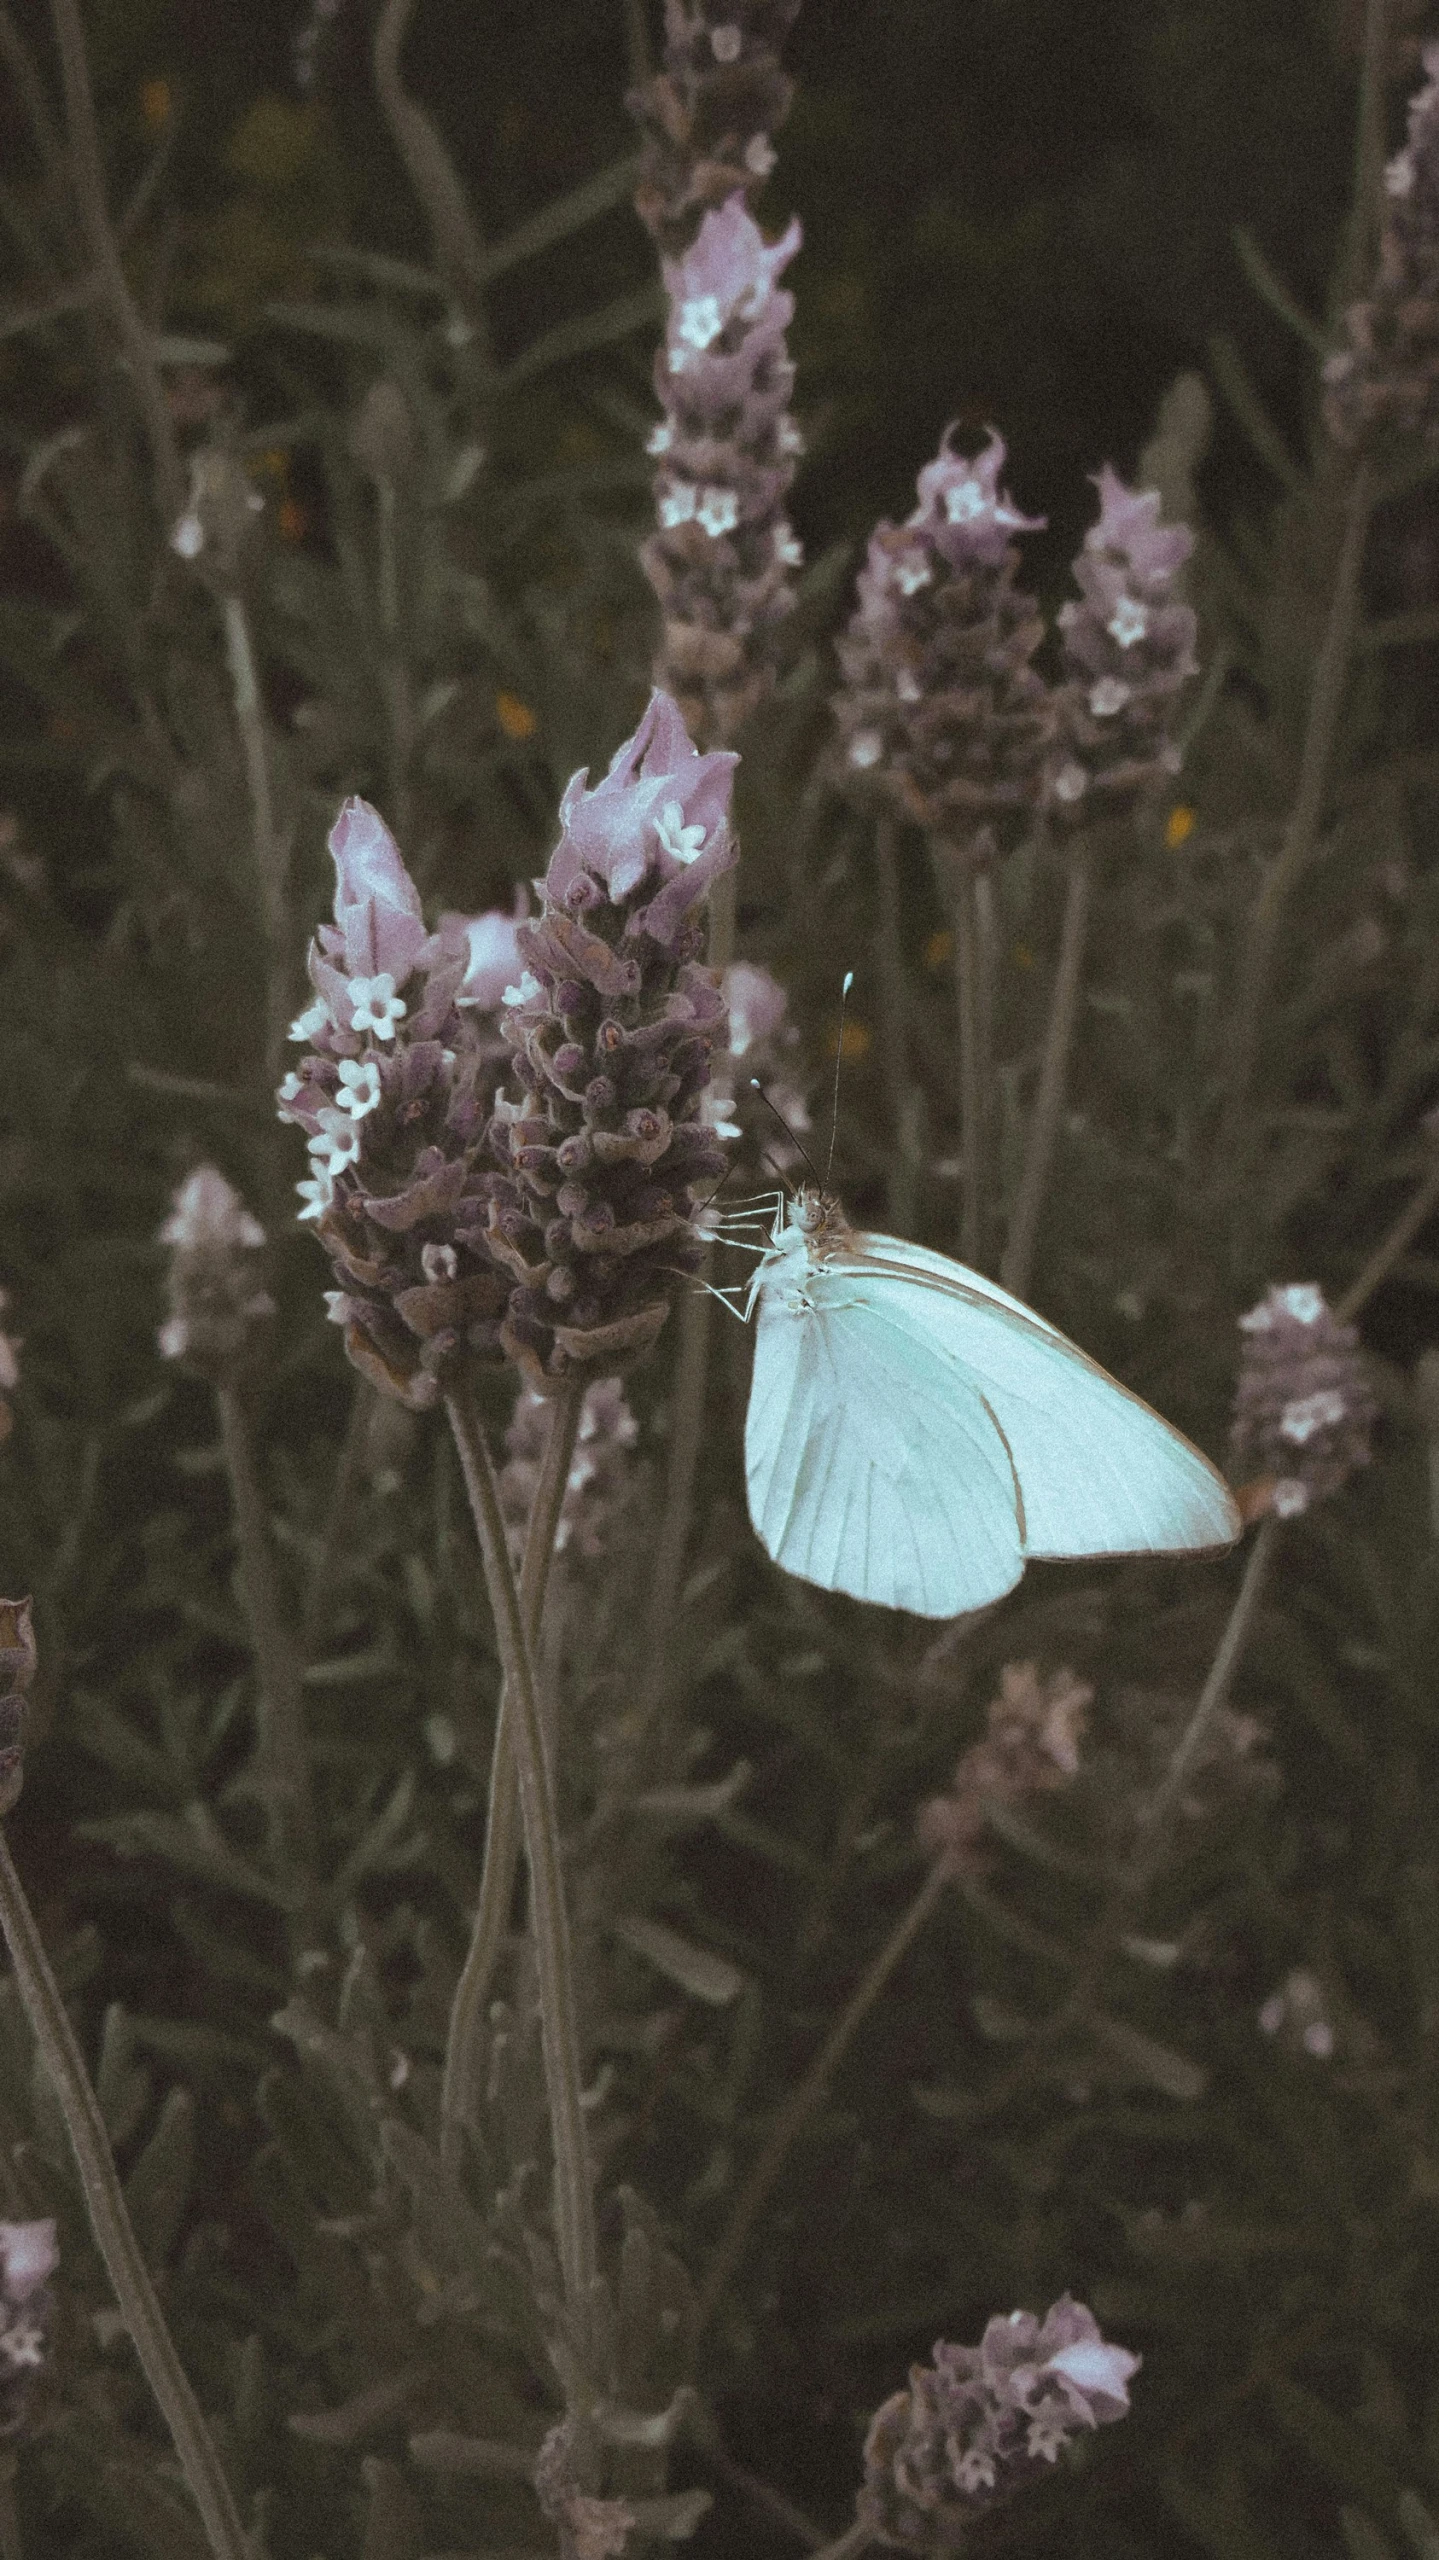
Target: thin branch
110 2221
283 1774
459 248
268 853
1382 1260
1018 1260
89 177
460 2093
339 1520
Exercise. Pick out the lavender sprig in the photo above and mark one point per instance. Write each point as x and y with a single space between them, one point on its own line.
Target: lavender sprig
1384 385
1128 645
708 115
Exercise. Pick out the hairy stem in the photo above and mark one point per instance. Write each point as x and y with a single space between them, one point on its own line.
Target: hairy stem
1159 1813
1015 1268
1382 1260
267 851
339 1520
1325 703
559 2020
807 2095
110 2221
849 2545
89 176
283 1755
893 1016
464 2046
969 993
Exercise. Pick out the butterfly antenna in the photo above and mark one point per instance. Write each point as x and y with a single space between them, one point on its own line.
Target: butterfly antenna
838 1063
757 1087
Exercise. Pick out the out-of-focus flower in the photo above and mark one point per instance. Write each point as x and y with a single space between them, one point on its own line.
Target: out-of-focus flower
942 714
394 1093
611 1027
595 1484
29 2256
9 1370
382 434
17 1671
708 115
1128 648
1303 1408
1031 1747
980 2421
218 519
722 556
515 717
1297 2012
1385 384
215 1299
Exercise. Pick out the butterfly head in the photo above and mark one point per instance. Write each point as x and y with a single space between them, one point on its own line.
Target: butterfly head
816 1218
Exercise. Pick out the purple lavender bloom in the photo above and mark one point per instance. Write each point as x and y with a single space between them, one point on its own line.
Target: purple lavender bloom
1303 1409
492 950
942 714
1385 384
1128 649
611 1027
980 2421
214 1296
379 928
708 115
721 557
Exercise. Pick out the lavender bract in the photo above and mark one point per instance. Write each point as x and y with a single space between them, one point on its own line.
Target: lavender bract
941 710
721 558
611 1029
708 115
394 1092
1128 649
980 2421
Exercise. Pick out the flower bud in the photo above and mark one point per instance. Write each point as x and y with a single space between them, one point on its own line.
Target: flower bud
212 1283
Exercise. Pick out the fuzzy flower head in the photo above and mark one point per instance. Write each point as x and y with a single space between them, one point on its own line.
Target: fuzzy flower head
212 1283
980 2421
1303 1408
942 716
1031 1747
1383 387
708 114
722 557
394 1092
1128 649
610 1028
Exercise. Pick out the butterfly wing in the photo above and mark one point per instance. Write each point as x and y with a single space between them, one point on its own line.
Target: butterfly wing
1100 1473
871 1463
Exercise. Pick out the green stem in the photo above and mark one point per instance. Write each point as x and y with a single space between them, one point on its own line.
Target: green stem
969 993
1018 1260
399 697
902 1168
1325 703
1212 1698
848 2546
807 2094
464 2048
11 2547
559 2020
344 1500
110 2221
282 1755
1381 1261
1357 259
267 854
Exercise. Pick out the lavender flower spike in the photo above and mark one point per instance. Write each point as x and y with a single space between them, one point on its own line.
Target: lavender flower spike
1303 1410
708 115
941 712
214 1293
611 1028
1128 649
721 558
1385 384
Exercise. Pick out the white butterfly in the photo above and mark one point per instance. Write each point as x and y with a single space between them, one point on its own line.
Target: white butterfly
915 1434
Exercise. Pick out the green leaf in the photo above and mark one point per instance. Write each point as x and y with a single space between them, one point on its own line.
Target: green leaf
157 2190
583 335
123 2086
705 1976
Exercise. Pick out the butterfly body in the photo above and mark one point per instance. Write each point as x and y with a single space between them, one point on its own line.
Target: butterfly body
915 1435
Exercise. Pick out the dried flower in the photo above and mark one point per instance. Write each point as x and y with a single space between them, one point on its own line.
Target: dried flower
722 556
1303 1408
394 1092
1032 1746
611 1028
941 711
211 1284
17 1671
980 2421
1385 383
1128 648
29 2256
596 1481
708 115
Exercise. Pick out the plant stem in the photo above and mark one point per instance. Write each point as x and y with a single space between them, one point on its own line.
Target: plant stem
459 249
969 993
806 2096
559 2022
1325 704
1212 1697
267 852
464 2046
110 2221
344 1495
282 1754
893 1018
1018 1260
1382 1260
89 177
848 2546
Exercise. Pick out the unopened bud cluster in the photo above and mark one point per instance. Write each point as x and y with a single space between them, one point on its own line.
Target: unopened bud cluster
723 552
394 1092
980 2421
1385 384
1128 648
1030 1748
604 1145
212 1285
1303 1408
708 115
941 710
